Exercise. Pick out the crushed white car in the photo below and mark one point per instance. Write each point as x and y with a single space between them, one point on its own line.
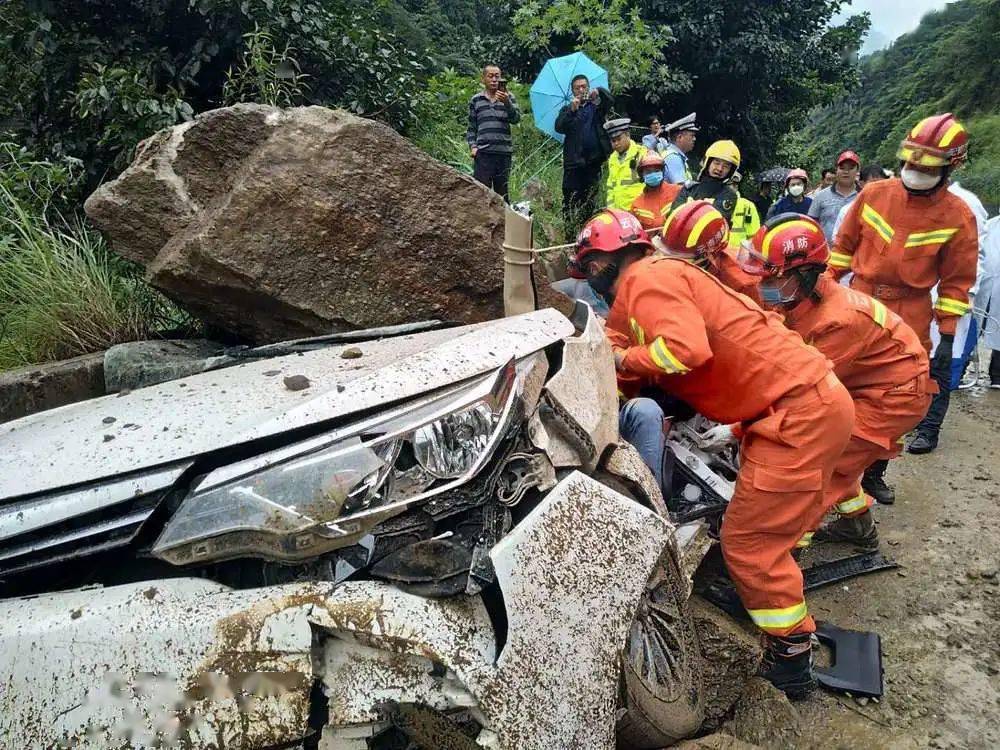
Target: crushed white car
439 541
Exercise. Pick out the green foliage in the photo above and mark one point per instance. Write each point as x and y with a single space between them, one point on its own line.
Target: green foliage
265 75
612 33
90 79
950 62
63 294
37 185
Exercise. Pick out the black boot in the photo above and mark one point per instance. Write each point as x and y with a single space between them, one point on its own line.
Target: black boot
995 369
924 442
788 664
874 484
857 530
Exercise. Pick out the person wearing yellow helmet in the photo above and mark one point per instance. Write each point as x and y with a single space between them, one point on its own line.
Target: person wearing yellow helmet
718 169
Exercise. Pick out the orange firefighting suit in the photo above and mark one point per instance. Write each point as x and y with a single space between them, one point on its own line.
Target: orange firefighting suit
900 245
652 206
724 266
679 329
883 365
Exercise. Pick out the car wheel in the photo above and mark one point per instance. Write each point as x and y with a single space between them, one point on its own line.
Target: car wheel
661 682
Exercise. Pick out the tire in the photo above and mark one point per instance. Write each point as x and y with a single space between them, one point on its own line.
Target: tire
661 682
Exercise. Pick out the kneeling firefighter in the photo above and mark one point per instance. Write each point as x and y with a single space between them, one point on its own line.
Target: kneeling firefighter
676 328
877 357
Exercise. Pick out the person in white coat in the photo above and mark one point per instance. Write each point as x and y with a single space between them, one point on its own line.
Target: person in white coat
988 298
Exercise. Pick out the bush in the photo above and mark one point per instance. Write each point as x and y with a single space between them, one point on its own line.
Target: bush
62 293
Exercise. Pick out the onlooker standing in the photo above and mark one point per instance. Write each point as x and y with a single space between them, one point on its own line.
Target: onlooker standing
654 140
584 150
491 113
795 201
826 204
989 296
682 135
871 173
827 177
763 198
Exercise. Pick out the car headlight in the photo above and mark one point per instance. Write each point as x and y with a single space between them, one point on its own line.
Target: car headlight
325 492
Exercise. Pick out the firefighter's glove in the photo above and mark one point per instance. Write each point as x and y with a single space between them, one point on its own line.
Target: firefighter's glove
717 437
941 364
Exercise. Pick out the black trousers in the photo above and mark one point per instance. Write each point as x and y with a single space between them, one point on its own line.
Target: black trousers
493 170
580 185
930 425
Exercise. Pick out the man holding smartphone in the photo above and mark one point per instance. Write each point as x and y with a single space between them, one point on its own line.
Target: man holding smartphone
491 113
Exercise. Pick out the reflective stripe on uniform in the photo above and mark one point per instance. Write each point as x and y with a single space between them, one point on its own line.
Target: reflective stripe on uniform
852 504
935 237
952 306
872 218
637 332
779 619
643 212
879 312
840 260
805 541
665 359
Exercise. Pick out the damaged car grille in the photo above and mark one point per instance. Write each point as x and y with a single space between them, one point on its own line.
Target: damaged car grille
44 530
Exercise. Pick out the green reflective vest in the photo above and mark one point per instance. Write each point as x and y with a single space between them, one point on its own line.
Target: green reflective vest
746 222
624 184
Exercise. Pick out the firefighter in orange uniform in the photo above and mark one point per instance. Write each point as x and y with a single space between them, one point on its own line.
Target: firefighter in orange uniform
675 327
902 236
700 230
877 357
653 204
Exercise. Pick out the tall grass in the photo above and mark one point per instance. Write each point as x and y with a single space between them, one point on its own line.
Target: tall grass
62 293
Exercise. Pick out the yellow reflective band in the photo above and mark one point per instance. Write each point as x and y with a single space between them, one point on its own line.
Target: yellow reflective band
665 359
917 127
779 619
852 504
643 212
871 217
935 237
953 131
805 541
879 312
840 260
637 332
665 210
699 227
953 306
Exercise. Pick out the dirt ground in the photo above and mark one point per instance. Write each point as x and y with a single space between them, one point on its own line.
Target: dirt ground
939 614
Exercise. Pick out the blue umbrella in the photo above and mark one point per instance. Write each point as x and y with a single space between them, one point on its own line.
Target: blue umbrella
552 89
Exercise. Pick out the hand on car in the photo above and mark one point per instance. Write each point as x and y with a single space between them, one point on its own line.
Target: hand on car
716 437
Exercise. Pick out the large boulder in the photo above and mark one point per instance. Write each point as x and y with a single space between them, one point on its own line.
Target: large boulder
275 224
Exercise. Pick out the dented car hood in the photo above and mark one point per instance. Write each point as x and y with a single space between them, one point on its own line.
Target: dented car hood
181 419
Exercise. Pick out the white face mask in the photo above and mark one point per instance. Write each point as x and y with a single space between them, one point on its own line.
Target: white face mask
916 180
796 190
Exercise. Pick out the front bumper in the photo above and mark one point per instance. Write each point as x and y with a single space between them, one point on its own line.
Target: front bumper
191 663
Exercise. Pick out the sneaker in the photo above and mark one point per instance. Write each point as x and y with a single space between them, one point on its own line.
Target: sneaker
922 444
857 530
788 664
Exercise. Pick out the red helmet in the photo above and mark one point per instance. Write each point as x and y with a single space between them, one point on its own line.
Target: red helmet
784 242
695 230
608 231
938 141
848 156
650 160
799 174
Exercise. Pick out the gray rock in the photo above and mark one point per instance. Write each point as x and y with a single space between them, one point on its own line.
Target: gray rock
271 224
717 741
35 388
140 363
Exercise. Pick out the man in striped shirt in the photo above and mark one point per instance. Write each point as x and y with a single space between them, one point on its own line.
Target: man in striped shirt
491 113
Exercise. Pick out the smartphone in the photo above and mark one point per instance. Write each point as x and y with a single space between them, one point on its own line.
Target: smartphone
502 86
